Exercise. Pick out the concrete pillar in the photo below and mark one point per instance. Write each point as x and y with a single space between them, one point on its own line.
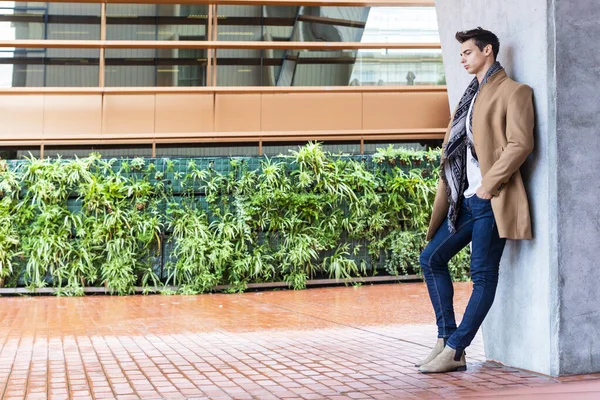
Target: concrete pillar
546 317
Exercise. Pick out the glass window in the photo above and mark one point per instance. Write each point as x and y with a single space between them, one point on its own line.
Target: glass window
188 67
156 21
36 21
16 153
162 67
401 25
22 22
155 67
49 67
245 68
397 67
291 23
329 68
235 67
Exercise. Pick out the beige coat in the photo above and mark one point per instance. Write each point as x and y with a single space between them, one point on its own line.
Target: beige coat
503 120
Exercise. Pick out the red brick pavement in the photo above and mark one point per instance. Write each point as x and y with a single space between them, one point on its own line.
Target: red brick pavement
333 343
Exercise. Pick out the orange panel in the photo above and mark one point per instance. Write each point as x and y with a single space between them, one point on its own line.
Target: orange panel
22 116
308 111
184 113
72 115
237 112
128 113
405 110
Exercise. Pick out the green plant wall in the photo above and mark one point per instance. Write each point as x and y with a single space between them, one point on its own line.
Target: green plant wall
199 223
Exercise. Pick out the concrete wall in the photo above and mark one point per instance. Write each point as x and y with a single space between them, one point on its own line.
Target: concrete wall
519 331
578 149
546 317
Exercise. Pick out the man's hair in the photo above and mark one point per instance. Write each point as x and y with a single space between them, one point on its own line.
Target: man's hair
482 38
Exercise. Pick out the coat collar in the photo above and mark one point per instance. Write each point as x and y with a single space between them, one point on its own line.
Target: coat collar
497 78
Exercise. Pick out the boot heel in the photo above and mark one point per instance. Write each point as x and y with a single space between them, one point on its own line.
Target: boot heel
461 369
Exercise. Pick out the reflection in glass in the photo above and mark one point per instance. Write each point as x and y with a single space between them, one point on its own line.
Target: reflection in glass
402 25
49 67
187 67
155 67
148 67
291 23
36 21
398 67
156 22
21 23
328 68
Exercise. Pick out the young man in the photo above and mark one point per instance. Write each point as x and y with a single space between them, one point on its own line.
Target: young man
480 198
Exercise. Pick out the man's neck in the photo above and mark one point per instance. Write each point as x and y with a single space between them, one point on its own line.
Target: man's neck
484 70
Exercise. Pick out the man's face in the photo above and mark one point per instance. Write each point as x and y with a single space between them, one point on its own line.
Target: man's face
473 59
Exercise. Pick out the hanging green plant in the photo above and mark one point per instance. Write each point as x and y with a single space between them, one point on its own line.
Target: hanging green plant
200 223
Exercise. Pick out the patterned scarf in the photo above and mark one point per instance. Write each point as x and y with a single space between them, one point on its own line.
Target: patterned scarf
454 160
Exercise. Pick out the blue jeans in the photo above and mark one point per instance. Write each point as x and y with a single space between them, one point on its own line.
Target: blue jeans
476 224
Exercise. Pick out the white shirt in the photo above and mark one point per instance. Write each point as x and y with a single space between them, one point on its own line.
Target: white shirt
473 172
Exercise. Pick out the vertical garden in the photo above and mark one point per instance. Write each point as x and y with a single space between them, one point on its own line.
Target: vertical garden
189 225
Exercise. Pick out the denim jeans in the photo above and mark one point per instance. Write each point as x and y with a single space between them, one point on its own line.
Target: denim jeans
475 224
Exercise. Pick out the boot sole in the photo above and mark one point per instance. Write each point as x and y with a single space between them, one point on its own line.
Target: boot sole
459 369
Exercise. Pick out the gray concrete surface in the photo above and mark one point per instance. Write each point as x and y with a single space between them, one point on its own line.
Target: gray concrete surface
578 189
546 316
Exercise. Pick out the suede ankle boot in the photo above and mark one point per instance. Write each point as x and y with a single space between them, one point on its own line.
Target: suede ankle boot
448 360
437 349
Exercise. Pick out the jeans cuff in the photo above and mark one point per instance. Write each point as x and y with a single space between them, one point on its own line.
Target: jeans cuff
447 336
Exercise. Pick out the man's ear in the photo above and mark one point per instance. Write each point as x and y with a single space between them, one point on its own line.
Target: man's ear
488 49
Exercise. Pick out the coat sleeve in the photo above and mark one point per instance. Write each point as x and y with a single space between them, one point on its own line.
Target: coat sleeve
519 134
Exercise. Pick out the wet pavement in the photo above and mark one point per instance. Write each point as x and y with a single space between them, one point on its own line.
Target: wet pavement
332 343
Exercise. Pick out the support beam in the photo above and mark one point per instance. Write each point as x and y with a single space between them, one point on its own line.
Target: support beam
102 61
325 3
546 316
224 137
206 44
